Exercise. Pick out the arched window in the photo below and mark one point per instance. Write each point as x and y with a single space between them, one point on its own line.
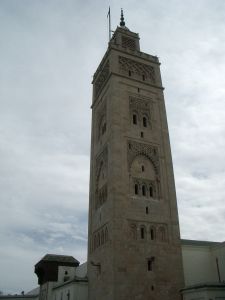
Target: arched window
136 189
151 191
142 168
143 77
162 234
142 233
144 122
143 190
135 119
152 233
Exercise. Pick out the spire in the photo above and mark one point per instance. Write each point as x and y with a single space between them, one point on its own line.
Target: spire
122 23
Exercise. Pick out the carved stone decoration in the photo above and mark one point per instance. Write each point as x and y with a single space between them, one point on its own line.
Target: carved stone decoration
140 69
142 107
101 121
128 43
150 151
151 188
102 77
155 232
133 231
101 163
100 237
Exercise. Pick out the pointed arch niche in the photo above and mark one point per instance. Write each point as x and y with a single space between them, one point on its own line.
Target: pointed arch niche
144 179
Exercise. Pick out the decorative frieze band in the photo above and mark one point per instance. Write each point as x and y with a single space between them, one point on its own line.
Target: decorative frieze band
129 65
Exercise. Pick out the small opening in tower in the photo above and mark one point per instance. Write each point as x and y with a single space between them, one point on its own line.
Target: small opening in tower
142 233
153 288
143 77
143 190
129 73
138 90
144 122
136 189
134 119
150 264
146 210
142 134
152 234
142 168
151 191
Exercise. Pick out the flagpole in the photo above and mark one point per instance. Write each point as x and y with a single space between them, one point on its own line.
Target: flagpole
109 15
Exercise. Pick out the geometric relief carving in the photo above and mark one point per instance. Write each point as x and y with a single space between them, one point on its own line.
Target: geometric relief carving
102 77
100 237
135 149
101 165
127 65
141 107
101 121
155 232
101 179
128 43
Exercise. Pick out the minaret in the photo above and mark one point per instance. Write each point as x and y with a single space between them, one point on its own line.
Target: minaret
134 250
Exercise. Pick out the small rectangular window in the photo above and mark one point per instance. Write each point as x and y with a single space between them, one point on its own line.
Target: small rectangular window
150 264
142 134
142 233
134 119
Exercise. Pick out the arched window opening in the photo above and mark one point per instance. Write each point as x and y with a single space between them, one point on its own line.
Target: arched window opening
142 233
136 189
152 234
143 190
162 234
149 264
142 168
143 77
129 73
134 119
146 210
144 122
151 191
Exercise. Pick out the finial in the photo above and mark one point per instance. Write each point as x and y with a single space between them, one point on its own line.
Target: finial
122 23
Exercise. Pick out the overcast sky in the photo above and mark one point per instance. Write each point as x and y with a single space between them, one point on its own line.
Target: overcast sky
48 54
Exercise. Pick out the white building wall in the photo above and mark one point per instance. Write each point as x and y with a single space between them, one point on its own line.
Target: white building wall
198 265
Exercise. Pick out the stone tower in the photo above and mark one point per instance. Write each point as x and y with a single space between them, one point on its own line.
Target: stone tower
134 250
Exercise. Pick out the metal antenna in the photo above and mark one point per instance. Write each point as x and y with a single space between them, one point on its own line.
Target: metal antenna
122 23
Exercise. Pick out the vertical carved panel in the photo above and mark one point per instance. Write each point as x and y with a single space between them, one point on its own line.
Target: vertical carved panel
102 77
